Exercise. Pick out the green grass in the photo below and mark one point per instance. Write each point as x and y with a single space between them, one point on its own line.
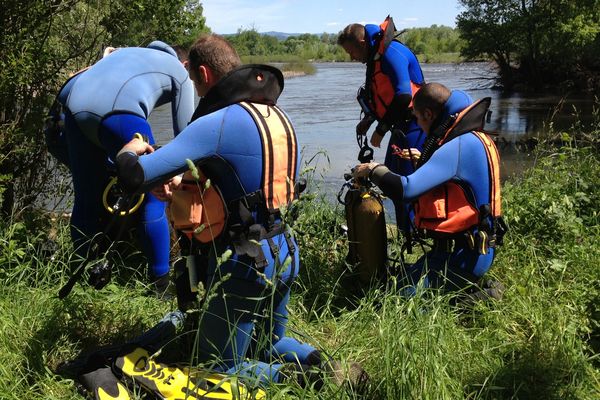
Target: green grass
542 341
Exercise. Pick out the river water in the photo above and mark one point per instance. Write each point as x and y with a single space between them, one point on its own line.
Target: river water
324 111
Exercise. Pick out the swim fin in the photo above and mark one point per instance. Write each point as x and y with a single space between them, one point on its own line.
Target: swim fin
171 382
102 384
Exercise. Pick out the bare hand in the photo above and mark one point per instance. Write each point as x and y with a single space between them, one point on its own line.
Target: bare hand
376 139
164 192
363 126
138 147
410 154
363 170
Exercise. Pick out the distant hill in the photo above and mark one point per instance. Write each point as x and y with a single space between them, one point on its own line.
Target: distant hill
280 35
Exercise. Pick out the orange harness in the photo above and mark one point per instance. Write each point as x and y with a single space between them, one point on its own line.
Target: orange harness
200 210
449 209
382 91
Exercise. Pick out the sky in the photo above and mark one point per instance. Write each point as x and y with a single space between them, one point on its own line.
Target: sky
318 16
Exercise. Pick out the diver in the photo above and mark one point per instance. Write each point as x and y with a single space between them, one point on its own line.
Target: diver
393 76
105 105
228 177
456 190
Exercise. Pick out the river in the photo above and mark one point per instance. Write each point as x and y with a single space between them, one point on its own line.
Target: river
324 111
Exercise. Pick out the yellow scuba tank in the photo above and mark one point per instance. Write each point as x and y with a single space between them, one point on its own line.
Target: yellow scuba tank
367 236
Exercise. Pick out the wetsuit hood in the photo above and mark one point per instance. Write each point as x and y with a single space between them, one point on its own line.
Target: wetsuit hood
253 82
162 46
461 115
372 32
458 101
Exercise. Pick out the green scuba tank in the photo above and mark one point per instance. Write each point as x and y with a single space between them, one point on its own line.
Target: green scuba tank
367 237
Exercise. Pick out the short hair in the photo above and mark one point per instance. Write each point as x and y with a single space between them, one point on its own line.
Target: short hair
182 52
432 96
352 33
216 53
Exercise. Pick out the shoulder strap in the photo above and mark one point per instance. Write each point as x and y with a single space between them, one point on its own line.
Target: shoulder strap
280 153
388 34
494 166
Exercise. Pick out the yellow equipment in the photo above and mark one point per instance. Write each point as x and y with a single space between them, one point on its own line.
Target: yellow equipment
172 382
367 236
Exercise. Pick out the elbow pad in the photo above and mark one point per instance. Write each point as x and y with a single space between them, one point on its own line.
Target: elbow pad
130 172
397 109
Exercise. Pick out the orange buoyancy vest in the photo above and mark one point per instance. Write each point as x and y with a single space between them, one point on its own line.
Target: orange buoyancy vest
382 90
200 210
449 208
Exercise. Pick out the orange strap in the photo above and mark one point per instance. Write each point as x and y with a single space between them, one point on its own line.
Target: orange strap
280 153
494 165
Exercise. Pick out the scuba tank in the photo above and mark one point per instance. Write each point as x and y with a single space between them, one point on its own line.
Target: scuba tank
365 219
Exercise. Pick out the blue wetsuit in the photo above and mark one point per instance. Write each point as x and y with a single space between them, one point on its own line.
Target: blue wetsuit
104 107
462 159
247 318
402 68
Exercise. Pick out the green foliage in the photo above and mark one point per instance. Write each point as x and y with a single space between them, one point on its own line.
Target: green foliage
299 66
433 40
538 43
541 341
42 43
136 23
436 44
250 43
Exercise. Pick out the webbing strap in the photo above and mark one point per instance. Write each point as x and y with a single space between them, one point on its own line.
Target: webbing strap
494 166
280 153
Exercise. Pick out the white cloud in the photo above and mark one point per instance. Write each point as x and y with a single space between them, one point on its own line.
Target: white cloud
332 23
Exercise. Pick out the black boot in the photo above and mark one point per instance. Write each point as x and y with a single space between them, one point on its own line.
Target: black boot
163 288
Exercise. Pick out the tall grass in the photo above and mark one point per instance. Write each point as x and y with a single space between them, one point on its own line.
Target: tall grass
541 341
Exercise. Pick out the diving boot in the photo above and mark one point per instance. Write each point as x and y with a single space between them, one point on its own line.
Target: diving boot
301 374
350 374
163 288
102 384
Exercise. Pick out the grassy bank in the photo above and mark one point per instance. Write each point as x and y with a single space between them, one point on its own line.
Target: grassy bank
541 341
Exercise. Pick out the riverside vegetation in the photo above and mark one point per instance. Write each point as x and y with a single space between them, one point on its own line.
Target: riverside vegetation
541 341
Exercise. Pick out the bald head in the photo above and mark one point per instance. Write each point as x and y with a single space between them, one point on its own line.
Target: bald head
428 103
431 96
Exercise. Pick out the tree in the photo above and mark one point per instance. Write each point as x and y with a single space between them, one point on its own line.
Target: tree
537 42
43 41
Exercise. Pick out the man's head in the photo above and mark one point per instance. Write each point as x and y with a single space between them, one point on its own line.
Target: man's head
428 104
182 53
352 39
210 58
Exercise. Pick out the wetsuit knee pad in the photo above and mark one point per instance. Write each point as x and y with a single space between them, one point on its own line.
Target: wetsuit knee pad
293 351
118 129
